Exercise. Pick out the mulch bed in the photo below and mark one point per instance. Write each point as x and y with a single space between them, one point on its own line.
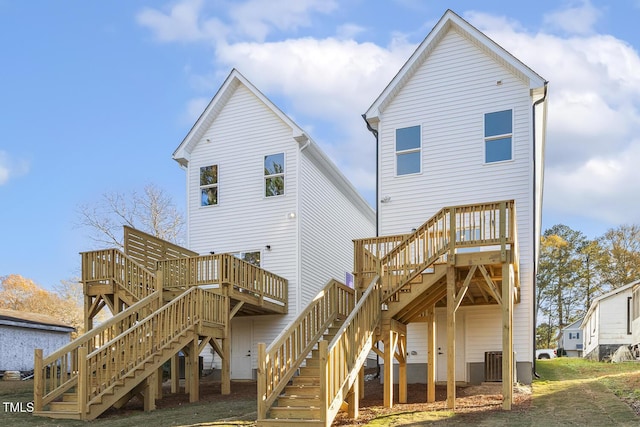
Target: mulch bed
469 400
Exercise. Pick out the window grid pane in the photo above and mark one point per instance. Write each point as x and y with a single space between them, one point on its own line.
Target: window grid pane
498 123
408 163
408 138
497 150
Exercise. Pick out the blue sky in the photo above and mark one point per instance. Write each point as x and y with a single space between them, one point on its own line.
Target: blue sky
97 95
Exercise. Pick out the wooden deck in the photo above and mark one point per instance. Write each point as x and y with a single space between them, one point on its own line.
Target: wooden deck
165 300
463 255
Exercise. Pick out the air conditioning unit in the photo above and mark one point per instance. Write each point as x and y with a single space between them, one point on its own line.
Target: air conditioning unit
493 366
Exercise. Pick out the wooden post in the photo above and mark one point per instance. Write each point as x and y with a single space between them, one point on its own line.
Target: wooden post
361 383
262 380
431 354
38 380
225 386
389 349
353 400
452 236
149 393
507 338
159 384
451 339
324 378
402 368
193 372
83 382
88 319
175 373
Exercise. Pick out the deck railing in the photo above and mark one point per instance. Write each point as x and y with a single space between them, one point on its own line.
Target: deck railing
121 357
107 265
279 362
58 372
342 358
438 239
222 269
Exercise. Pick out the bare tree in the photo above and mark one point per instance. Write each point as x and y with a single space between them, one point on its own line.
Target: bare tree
151 211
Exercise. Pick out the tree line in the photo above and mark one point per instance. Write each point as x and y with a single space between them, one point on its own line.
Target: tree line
573 270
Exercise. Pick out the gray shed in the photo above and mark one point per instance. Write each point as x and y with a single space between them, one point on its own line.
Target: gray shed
21 333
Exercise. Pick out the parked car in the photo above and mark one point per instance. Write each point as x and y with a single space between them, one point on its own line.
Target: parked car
546 353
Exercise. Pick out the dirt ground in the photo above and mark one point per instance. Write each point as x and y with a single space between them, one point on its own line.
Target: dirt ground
469 400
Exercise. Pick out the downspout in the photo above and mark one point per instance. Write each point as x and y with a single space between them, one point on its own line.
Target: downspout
375 134
535 243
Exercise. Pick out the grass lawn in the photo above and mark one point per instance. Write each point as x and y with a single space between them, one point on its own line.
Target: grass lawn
569 392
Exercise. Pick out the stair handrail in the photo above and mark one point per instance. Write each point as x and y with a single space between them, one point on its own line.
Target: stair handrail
123 355
342 358
113 264
450 228
278 363
219 269
58 371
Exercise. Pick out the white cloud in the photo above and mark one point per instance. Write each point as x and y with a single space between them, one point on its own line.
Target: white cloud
182 23
578 19
594 101
10 168
257 18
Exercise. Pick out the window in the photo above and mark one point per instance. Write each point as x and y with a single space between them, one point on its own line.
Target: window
209 185
498 132
574 335
274 175
408 158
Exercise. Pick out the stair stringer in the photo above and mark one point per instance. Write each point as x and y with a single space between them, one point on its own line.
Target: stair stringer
111 395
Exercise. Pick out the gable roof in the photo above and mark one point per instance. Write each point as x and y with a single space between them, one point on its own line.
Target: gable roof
450 20
27 319
219 100
574 325
182 154
609 294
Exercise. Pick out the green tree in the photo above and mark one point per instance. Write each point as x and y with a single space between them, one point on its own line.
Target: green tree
622 248
559 273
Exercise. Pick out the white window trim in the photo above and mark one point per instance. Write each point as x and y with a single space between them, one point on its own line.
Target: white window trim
284 176
485 139
411 150
202 187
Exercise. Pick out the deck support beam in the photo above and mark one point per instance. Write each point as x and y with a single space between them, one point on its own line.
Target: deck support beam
451 338
192 374
431 354
225 386
507 337
175 374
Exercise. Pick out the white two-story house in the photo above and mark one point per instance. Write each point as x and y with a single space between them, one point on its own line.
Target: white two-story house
259 187
463 122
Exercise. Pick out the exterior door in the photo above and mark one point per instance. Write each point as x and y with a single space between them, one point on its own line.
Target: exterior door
441 348
241 346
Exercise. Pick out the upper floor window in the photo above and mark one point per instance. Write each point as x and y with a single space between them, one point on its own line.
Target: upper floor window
498 134
209 185
408 151
250 257
274 175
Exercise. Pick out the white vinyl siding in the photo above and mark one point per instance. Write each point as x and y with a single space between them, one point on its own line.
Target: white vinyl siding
329 223
448 96
238 139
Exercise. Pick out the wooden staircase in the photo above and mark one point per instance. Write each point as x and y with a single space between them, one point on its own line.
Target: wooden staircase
184 303
81 381
306 374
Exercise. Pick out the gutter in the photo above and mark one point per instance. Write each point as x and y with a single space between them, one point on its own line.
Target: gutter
535 243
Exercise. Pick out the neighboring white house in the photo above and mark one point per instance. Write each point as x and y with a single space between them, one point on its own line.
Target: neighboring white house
635 322
570 340
21 333
607 324
464 122
259 187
